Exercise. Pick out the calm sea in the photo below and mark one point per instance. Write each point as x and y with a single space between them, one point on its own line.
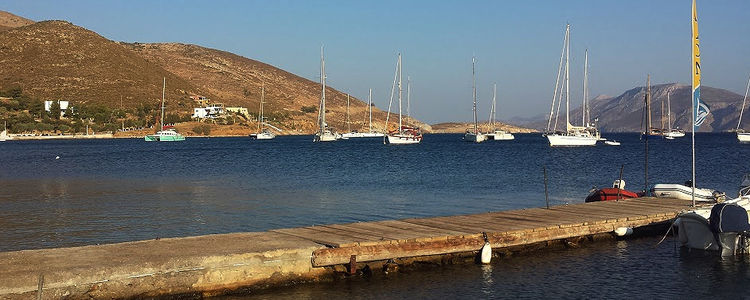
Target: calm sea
106 191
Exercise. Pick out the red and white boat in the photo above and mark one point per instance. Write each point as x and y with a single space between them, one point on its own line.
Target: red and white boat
616 192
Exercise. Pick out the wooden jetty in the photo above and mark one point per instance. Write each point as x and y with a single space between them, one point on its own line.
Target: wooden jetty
217 264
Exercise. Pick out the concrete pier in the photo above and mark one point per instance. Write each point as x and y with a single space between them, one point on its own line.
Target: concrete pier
218 264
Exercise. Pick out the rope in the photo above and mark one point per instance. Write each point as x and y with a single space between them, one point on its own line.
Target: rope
667 233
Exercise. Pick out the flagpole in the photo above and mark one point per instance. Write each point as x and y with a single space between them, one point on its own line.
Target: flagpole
693 25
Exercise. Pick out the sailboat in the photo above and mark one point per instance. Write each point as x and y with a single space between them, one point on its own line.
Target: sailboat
324 133
497 134
742 136
574 135
265 133
4 133
671 133
402 135
356 134
164 135
474 136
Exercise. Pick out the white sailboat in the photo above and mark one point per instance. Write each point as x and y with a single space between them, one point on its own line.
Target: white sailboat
263 132
671 133
573 135
370 133
4 133
497 134
324 133
168 135
474 136
403 135
742 136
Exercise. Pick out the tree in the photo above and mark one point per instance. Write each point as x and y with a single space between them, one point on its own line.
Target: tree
54 110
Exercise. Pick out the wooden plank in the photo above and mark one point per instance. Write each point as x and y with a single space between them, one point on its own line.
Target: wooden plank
419 228
330 240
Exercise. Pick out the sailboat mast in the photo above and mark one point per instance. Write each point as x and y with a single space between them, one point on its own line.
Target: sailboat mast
493 112
408 96
369 105
323 93
348 123
648 104
262 99
669 112
743 104
585 86
662 114
163 91
399 92
567 78
474 91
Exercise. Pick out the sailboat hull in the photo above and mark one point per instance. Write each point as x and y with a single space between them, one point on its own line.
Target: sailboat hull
325 137
403 139
743 137
500 136
557 140
475 137
165 136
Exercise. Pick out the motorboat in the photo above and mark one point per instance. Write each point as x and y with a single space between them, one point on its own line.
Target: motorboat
612 143
616 192
685 192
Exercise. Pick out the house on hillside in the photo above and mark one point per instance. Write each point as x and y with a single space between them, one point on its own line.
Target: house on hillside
211 111
201 101
239 110
63 106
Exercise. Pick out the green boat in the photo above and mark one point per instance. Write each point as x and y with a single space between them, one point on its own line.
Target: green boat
168 135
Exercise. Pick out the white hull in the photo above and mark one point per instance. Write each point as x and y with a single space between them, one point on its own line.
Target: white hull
403 139
349 135
325 137
500 136
3 135
475 137
674 134
678 191
263 136
612 143
694 231
743 137
556 140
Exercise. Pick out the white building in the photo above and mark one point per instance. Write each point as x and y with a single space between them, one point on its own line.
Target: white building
212 111
63 106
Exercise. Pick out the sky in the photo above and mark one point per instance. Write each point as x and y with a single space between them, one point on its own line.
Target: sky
517 44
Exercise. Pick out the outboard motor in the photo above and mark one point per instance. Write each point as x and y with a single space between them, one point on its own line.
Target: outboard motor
729 222
619 184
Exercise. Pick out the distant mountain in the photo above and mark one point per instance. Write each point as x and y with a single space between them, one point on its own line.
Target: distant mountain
624 113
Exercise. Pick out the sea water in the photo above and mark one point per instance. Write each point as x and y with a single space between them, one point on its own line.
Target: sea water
115 190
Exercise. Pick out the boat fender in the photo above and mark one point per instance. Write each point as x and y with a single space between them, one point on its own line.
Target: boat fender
486 254
623 231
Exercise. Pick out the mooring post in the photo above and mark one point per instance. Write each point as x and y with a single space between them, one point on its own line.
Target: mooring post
40 287
619 183
352 265
546 194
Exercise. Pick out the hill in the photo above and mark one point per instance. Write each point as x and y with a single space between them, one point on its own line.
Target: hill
625 112
56 60
235 80
456 127
10 21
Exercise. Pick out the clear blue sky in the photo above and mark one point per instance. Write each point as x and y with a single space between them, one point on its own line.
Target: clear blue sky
517 43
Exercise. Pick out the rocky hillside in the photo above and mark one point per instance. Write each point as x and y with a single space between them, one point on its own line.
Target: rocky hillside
9 21
454 127
56 60
625 112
